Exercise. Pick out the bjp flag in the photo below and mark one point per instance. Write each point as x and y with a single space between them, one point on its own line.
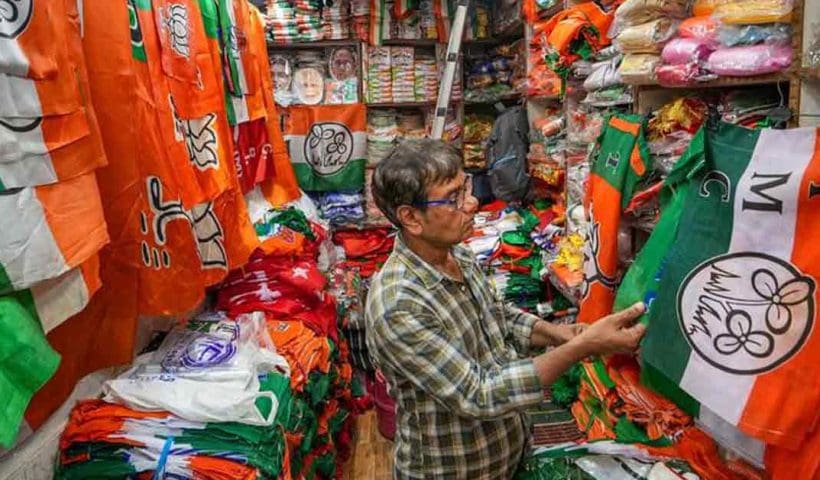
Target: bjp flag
620 160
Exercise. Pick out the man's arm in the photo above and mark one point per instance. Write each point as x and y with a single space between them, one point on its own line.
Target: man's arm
418 348
529 331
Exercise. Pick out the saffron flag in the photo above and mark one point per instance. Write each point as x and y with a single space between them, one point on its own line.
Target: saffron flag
327 146
620 160
27 34
732 327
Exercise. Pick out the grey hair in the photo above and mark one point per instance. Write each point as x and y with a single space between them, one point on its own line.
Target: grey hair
409 171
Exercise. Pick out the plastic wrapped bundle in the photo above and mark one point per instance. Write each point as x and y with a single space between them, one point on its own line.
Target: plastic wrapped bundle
636 12
754 11
702 28
750 60
774 34
647 37
639 68
604 74
677 75
686 50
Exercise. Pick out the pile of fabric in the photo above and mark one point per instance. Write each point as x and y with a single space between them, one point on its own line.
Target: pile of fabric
365 250
426 77
280 22
341 208
401 75
382 132
308 20
575 33
378 78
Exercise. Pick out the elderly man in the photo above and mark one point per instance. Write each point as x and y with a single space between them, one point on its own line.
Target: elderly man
454 355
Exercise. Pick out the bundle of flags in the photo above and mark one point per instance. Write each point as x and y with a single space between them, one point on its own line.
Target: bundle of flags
101 217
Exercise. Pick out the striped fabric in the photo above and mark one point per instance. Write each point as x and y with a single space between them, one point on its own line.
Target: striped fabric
449 351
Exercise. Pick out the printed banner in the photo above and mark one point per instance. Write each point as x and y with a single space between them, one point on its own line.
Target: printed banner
620 161
732 327
328 146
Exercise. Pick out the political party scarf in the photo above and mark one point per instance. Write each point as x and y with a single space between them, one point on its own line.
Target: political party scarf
379 22
731 326
621 159
47 231
26 363
48 129
327 146
575 33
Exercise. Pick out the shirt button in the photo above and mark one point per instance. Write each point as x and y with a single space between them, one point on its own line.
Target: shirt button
463 288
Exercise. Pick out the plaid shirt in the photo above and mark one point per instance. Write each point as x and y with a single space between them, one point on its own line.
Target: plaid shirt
449 351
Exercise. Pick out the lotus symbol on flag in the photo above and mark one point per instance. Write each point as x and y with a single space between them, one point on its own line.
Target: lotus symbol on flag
178 29
746 313
592 266
328 147
15 16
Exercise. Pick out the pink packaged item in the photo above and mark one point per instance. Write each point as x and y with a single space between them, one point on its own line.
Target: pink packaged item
677 75
685 50
749 61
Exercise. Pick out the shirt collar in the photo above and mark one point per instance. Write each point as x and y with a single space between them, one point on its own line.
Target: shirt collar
428 274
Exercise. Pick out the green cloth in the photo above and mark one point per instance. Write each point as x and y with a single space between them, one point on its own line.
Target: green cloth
27 362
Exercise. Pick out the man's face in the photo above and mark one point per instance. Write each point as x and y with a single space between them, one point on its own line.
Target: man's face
342 66
447 225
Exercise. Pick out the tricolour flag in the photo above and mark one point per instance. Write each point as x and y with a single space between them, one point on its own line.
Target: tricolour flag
327 146
732 329
620 161
46 231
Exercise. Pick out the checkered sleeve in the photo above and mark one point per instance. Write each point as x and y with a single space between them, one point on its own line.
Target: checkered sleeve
519 327
418 348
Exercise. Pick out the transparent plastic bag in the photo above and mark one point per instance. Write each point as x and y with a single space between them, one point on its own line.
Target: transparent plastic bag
686 50
636 12
603 75
703 28
639 68
750 60
206 372
647 37
771 34
754 11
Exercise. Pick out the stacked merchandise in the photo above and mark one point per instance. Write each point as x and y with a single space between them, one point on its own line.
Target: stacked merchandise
365 250
477 129
496 74
410 124
478 21
309 20
425 81
280 22
172 192
545 158
360 19
341 208
382 132
541 80
640 30
336 19
379 77
402 74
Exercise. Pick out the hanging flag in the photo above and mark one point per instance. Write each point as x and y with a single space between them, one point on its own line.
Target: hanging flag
444 11
732 327
402 9
379 21
46 231
27 363
327 146
620 161
27 46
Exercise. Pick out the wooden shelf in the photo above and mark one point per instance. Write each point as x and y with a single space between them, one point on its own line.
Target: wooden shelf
402 105
807 73
318 44
724 82
407 42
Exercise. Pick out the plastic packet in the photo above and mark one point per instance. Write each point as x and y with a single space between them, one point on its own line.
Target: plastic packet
636 12
703 28
686 50
754 11
639 68
604 75
609 97
647 37
750 60
703 8
772 34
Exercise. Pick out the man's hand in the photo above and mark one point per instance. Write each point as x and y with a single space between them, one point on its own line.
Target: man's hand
616 333
559 334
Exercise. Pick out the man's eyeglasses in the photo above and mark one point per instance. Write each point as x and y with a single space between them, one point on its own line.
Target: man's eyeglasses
456 200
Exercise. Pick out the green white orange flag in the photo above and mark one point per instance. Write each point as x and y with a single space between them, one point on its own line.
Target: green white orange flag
46 231
732 329
327 146
621 159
